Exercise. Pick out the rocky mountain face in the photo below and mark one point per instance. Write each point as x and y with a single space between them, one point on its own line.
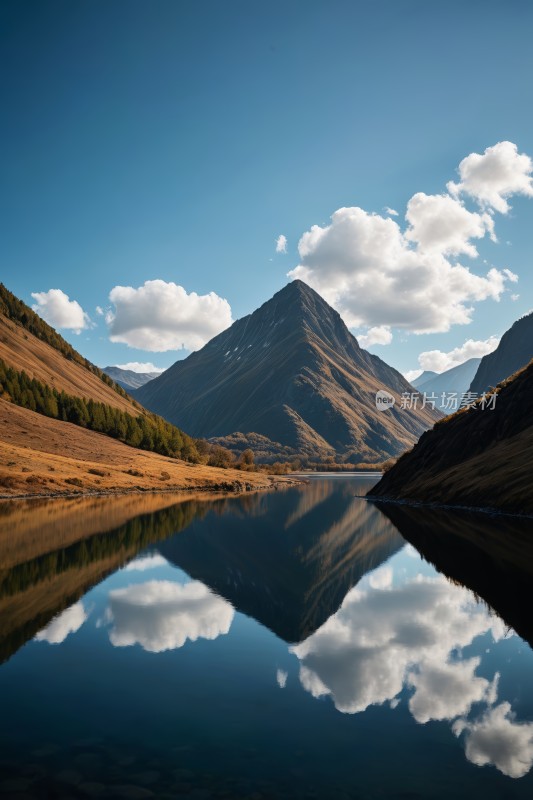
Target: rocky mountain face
514 352
478 457
129 379
293 373
455 381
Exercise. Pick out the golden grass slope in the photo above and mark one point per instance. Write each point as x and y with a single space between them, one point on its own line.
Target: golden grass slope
40 456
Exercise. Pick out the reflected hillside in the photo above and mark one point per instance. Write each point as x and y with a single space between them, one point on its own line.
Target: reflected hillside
291 569
53 552
492 556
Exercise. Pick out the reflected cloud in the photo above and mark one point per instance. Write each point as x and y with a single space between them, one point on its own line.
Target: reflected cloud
382 639
281 678
497 739
163 615
146 562
69 621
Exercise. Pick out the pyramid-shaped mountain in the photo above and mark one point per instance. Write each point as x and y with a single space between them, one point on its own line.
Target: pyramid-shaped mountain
294 374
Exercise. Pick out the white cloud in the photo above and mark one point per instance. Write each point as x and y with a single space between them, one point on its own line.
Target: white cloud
100 311
281 244
383 639
381 275
495 176
439 223
162 615
497 739
438 361
160 316
515 297
141 366
281 678
412 374
69 621
390 211
58 310
378 335
146 562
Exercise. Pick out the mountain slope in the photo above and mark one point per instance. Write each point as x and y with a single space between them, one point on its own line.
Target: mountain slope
129 379
453 381
514 352
479 458
292 372
427 375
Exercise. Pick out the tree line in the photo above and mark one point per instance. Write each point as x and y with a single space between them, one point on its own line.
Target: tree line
146 431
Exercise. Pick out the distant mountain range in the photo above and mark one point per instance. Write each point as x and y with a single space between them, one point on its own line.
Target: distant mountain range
514 352
292 373
129 379
456 380
476 457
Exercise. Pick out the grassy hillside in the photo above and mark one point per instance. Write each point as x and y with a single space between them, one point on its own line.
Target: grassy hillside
477 458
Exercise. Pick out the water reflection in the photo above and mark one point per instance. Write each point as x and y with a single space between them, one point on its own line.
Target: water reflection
162 615
378 657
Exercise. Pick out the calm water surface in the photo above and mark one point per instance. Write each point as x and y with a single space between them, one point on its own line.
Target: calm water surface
300 644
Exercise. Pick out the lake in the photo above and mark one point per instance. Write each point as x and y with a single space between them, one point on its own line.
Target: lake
304 643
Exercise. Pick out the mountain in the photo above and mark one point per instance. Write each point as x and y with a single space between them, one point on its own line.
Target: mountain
456 381
129 379
425 376
293 373
476 457
514 352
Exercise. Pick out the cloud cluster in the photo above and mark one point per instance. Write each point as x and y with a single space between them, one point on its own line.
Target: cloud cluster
143 563
385 637
378 335
498 739
380 275
160 316
69 621
439 361
162 615
55 307
493 177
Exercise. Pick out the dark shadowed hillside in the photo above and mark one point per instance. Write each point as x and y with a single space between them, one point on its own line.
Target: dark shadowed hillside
292 372
514 352
476 457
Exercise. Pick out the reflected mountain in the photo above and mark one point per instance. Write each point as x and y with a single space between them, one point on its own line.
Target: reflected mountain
290 569
491 555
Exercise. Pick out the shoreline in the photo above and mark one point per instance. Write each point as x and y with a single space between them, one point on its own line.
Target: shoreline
494 512
229 489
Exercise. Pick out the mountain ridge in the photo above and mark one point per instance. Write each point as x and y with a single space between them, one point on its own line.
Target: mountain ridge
514 351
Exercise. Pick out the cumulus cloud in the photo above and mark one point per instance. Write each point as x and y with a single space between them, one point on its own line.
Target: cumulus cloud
160 316
281 244
497 739
381 578
141 366
69 621
162 615
378 335
438 361
58 310
491 178
383 639
381 275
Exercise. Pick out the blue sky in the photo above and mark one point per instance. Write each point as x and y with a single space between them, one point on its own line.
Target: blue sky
175 141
